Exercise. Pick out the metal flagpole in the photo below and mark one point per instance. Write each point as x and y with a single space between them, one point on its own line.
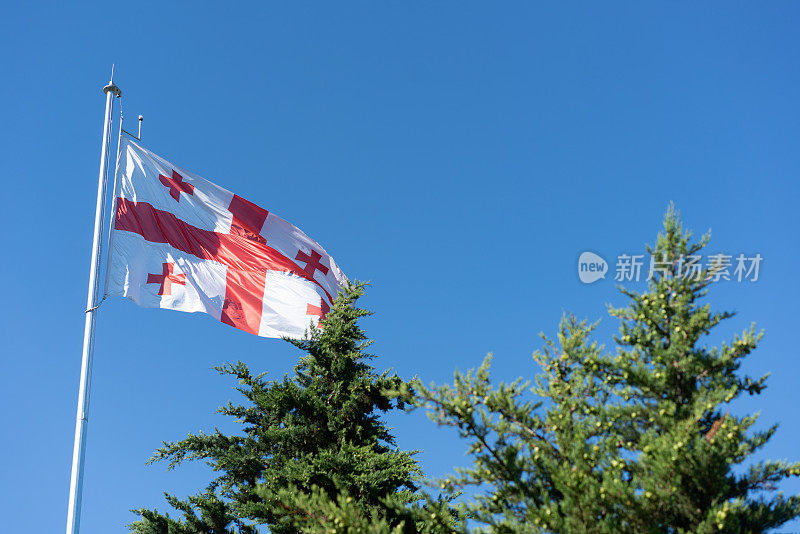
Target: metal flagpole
110 239
79 452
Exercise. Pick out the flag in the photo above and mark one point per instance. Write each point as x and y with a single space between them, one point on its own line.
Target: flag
183 243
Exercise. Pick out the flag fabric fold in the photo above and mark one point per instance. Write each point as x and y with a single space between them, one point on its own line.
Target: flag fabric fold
183 243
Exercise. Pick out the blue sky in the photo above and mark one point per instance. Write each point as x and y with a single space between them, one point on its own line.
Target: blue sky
459 155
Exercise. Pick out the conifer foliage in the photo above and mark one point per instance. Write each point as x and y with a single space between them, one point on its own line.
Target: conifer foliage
637 440
313 455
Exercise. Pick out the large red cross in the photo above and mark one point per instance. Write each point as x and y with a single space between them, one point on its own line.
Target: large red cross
176 185
242 250
312 262
166 279
320 311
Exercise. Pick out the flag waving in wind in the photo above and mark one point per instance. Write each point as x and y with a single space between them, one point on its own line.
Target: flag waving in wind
183 243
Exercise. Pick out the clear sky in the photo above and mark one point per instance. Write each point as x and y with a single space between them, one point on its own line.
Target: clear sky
459 155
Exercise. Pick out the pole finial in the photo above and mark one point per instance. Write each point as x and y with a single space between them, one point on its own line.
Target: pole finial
111 86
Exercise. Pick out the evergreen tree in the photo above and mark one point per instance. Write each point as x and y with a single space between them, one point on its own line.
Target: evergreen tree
639 440
314 455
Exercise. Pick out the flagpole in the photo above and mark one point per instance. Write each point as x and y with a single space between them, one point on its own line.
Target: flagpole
110 240
82 418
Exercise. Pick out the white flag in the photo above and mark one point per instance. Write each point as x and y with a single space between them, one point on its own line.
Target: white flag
183 243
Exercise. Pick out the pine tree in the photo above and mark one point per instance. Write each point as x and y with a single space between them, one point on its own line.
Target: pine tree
638 440
314 455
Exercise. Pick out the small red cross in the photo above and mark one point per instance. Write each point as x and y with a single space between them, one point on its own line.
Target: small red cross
312 262
166 279
319 311
176 185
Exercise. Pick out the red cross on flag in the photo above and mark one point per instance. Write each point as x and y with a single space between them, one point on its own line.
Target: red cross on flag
183 243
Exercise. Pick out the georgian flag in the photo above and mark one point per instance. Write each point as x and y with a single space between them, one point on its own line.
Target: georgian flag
183 243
